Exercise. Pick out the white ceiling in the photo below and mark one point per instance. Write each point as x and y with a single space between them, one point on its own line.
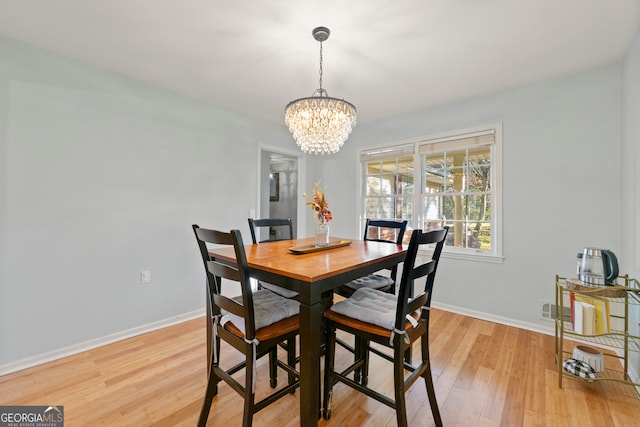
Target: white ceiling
387 57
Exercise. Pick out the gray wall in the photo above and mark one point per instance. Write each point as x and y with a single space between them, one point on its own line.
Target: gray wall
101 177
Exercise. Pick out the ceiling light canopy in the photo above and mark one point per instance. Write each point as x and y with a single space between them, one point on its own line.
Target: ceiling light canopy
320 124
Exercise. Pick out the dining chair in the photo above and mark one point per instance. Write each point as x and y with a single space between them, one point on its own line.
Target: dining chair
391 321
377 231
279 229
253 323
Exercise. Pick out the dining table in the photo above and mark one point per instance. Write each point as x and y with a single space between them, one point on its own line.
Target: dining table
314 272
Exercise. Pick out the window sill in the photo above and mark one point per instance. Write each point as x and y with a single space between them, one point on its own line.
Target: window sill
477 257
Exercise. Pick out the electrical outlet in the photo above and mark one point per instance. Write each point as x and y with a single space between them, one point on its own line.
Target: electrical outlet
145 276
547 311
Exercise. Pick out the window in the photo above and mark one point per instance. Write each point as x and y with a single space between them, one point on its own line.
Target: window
450 179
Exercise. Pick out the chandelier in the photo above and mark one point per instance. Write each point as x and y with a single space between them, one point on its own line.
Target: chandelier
320 124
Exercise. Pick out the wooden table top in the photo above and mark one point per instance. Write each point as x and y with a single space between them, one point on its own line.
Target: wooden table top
276 258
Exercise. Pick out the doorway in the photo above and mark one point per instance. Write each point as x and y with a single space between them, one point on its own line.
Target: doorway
280 184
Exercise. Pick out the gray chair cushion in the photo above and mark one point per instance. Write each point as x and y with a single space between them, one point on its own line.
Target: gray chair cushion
287 293
372 281
269 308
369 305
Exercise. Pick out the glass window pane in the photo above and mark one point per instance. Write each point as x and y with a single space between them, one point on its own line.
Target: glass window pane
405 175
470 235
457 179
406 187
479 235
374 167
369 207
435 172
388 184
405 208
386 208
479 178
373 186
454 207
458 235
432 207
378 208
470 240
479 155
456 171
478 207
451 236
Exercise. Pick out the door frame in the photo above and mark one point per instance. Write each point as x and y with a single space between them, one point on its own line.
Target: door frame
302 182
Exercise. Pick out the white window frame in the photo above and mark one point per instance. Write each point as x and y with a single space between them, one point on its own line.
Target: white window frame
495 255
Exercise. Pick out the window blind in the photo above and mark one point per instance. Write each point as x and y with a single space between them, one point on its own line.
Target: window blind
457 142
387 152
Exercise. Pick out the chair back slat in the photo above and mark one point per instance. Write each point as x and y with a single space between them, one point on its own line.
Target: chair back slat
214 236
228 304
423 270
217 268
398 228
284 224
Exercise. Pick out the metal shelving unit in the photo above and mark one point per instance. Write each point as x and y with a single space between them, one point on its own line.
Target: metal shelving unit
619 341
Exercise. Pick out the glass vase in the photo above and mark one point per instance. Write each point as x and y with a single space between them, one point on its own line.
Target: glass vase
322 234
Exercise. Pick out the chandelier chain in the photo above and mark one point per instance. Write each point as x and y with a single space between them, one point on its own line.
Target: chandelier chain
320 68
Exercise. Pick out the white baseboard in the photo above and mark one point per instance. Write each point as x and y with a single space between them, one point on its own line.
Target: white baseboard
547 330
98 342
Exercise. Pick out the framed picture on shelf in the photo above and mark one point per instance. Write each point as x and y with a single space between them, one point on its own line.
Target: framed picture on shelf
274 186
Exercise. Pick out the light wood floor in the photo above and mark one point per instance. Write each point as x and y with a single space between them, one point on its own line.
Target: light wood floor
485 374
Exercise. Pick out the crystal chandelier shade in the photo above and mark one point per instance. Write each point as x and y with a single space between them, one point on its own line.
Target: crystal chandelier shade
320 124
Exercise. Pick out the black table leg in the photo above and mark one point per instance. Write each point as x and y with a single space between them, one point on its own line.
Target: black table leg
310 341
